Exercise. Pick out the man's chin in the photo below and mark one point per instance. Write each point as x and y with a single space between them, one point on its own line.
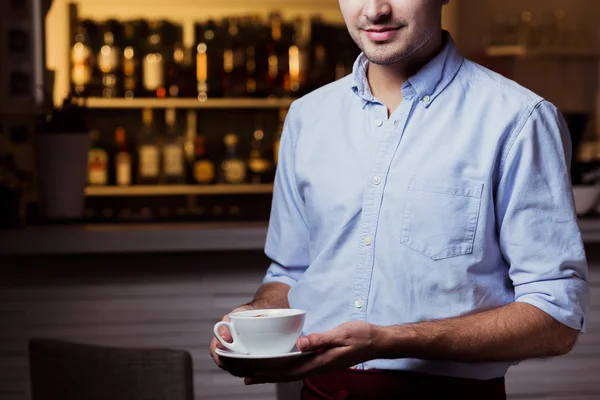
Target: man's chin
382 58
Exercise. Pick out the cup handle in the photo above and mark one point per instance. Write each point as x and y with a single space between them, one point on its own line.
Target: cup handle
235 345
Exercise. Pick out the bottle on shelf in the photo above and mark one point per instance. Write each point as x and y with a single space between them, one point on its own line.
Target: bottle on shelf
320 70
173 154
282 116
234 56
123 159
204 166
131 59
97 162
274 49
262 33
233 167
180 71
250 32
154 62
109 60
148 151
82 59
296 58
289 59
259 166
209 60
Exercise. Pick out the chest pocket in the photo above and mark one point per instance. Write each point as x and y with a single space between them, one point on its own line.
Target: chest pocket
440 217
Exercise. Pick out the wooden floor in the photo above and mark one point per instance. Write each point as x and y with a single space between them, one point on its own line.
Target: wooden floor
174 300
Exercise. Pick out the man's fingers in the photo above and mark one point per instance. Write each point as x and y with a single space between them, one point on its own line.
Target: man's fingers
319 341
213 346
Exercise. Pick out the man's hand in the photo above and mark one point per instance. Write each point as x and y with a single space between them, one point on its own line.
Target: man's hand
226 335
343 347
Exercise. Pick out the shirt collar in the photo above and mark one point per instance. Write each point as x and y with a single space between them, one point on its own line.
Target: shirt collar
426 85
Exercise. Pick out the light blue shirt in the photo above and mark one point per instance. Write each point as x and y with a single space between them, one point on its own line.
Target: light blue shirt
459 202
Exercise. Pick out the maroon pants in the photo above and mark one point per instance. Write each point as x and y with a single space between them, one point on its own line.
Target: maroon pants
398 385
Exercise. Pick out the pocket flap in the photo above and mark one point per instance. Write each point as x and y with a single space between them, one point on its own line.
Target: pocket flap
451 186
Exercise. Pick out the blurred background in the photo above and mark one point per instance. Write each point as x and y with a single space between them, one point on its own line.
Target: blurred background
138 146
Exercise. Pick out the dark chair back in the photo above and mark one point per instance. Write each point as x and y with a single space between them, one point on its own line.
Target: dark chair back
72 371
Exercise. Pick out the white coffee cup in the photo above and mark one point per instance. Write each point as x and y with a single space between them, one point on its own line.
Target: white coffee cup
263 332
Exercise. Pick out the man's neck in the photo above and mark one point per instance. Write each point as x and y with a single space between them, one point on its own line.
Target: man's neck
386 81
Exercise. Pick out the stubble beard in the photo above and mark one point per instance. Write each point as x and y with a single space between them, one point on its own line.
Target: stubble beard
395 52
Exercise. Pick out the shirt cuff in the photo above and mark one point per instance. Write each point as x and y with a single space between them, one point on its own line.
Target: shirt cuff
279 274
566 300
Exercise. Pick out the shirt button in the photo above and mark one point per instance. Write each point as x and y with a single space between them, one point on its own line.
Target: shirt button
376 180
379 123
358 303
368 241
426 99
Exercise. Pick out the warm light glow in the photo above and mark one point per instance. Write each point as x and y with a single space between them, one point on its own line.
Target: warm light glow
294 54
273 66
201 67
228 60
128 53
178 55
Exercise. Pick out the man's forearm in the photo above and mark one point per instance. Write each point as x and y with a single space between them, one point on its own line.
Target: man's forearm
513 332
271 295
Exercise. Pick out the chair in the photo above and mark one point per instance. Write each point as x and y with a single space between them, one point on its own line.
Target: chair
71 371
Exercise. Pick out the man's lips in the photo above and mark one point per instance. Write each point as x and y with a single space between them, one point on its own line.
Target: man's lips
381 34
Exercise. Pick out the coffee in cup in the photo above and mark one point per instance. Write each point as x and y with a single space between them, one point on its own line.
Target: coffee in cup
263 332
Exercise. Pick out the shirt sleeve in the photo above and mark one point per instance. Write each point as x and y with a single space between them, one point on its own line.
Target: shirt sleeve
539 235
287 242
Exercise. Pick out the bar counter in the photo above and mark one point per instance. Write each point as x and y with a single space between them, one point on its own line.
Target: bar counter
133 238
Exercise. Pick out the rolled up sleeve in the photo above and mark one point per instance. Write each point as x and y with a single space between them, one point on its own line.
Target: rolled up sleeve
539 235
287 243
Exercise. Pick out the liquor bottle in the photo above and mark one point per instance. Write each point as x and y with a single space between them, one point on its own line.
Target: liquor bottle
185 80
209 60
261 40
123 161
259 166
321 72
282 116
131 59
109 61
154 63
97 162
204 166
234 56
297 57
173 154
148 151
233 167
251 35
289 59
178 62
274 78
82 59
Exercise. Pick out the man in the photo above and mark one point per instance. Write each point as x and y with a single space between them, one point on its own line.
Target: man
423 217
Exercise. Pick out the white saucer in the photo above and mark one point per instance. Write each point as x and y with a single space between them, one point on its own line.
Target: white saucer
233 354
